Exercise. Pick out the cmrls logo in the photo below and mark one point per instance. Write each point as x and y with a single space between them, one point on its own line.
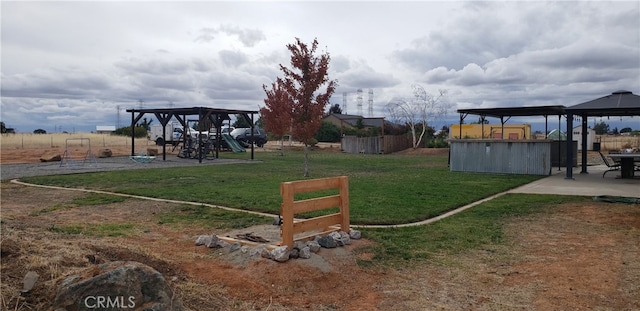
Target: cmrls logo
108 302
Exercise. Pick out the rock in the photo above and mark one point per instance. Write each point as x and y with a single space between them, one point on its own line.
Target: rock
235 246
327 241
355 234
105 153
305 252
222 244
213 241
280 253
265 253
117 285
344 238
314 247
294 253
299 244
51 158
277 221
29 281
203 240
152 152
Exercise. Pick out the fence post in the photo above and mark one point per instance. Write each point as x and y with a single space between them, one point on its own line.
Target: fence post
344 203
286 210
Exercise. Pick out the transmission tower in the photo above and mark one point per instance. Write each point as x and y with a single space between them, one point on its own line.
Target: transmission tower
344 103
370 103
359 102
118 117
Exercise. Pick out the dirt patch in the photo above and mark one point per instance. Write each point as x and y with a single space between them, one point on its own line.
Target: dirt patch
579 257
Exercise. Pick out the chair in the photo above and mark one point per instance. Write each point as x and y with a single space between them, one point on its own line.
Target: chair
612 167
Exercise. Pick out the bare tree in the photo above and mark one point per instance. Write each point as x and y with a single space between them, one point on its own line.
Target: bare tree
420 110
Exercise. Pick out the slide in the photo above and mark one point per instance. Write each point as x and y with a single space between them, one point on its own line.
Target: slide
232 142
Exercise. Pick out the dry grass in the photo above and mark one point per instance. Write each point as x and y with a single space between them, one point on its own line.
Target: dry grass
58 140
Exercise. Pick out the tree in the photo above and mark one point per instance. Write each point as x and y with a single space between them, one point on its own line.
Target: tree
146 123
626 130
277 112
302 83
601 128
418 111
328 132
39 131
241 122
335 109
3 128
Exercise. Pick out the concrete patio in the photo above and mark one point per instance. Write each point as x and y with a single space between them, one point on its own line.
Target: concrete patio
591 184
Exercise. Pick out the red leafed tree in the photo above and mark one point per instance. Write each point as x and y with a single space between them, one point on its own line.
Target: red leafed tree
277 112
303 83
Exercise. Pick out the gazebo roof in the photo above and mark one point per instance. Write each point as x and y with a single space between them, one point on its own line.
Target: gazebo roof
619 103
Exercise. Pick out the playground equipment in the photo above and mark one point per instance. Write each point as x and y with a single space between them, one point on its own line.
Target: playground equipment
325 224
67 158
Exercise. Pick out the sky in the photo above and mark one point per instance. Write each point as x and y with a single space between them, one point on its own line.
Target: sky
72 66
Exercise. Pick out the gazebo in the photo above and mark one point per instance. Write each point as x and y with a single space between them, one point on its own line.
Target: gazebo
619 104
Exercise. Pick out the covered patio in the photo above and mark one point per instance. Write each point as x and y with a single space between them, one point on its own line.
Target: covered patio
618 104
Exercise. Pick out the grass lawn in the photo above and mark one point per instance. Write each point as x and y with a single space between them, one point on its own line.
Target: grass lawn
384 189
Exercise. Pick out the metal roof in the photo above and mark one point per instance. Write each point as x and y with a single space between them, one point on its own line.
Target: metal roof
619 103
516 111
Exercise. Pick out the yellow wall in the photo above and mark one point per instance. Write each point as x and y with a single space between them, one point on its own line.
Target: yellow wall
471 131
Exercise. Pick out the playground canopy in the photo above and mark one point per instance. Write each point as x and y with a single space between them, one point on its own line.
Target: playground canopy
206 115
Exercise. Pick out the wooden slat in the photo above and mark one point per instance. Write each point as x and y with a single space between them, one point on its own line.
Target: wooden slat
314 184
312 236
245 242
317 223
310 205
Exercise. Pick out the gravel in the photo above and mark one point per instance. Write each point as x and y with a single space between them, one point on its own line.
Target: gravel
16 171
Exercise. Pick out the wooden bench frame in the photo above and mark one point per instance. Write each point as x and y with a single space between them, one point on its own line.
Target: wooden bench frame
326 224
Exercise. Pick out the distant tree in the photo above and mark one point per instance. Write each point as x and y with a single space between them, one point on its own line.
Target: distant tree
277 112
328 132
39 131
418 111
3 128
139 131
615 131
601 128
241 122
146 123
302 83
335 109
626 130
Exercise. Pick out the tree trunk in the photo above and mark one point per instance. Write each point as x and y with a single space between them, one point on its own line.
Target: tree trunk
306 160
282 146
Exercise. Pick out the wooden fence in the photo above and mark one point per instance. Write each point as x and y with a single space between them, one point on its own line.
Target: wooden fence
324 224
375 145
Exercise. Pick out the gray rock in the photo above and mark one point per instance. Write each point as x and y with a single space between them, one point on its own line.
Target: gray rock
221 244
327 241
203 240
335 235
305 252
29 281
265 253
235 246
299 244
213 241
280 253
119 285
294 253
51 158
314 247
355 234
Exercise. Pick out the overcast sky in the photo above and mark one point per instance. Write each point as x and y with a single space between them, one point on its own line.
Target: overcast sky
70 65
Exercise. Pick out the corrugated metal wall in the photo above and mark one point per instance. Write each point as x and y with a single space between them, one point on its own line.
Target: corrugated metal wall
528 157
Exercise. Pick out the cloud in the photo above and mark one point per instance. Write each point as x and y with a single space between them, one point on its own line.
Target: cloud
248 37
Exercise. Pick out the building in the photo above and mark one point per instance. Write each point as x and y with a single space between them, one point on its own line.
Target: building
591 137
351 121
105 129
492 131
